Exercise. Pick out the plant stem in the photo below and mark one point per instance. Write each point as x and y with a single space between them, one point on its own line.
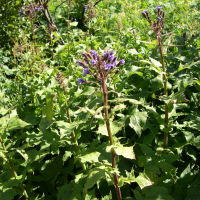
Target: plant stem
72 133
119 197
12 169
165 90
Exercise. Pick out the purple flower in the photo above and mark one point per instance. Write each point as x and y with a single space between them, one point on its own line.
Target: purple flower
114 61
159 18
111 52
80 81
93 52
110 58
85 71
106 56
122 62
93 62
143 13
146 11
86 7
159 7
108 66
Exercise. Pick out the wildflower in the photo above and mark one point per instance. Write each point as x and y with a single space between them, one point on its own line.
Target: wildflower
85 71
93 52
80 81
159 18
86 8
159 7
108 66
93 62
143 13
146 11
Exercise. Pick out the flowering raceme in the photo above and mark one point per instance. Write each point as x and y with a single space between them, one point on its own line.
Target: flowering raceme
100 67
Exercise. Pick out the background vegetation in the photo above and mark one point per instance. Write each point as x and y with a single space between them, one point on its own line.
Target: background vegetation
54 141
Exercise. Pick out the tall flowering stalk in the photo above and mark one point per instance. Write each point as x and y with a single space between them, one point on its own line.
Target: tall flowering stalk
158 27
101 68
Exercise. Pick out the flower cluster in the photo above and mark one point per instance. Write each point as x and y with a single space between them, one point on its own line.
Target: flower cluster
99 66
157 25
30 10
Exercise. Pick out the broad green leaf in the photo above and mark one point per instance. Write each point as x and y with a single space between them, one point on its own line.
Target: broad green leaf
48 109
88 90
73 23
89 157
137 121
119 100
193 191
132 51
197 142
157 193
66 155
95 175
8 194
71 191
126 152
115 128
143 180
16 123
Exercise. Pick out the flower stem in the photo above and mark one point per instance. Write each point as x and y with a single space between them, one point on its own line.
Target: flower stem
119 197
165 90
13 170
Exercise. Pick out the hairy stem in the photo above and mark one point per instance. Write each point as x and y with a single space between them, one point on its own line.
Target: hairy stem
13 170
119 197
165 91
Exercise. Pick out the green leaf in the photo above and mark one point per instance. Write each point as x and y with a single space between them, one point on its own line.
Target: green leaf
157 193
8 194
66 155
133 101
71 191
132 51
126 152
115 128
48 109
193 191
88 90
143 180
95 175
73 23
89 157
137 121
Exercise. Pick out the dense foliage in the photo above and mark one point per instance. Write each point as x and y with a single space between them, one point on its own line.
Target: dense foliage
99 99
